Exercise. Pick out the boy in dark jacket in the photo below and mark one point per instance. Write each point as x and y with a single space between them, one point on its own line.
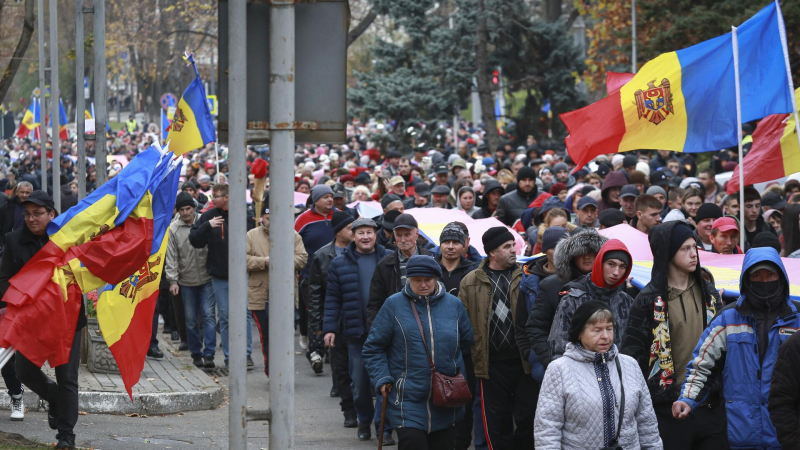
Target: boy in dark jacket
663 343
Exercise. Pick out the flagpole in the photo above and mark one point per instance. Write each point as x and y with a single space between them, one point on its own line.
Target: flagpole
742 229
216 160
785 46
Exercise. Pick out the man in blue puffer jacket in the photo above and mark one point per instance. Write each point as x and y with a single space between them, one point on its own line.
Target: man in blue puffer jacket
349 277
742 343
397 360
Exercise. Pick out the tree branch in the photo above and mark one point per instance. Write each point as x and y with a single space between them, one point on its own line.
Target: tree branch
362 26
201 33
19 52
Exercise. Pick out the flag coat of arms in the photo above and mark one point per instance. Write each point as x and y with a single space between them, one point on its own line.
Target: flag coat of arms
192 126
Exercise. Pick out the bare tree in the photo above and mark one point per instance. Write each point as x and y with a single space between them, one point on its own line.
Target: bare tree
22 47
484 80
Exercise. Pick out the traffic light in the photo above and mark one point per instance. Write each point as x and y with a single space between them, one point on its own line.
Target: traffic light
496 77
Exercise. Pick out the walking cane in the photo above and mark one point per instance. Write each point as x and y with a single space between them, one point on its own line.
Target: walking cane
383 418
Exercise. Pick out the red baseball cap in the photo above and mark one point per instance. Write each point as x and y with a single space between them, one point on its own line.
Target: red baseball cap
725 224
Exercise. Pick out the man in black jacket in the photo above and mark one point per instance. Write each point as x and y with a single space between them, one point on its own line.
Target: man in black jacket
317 281
390 274
513 204
784 393
662 344
11 216
211 230
62 394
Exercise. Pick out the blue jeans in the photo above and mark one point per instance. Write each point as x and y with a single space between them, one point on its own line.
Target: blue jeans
362 388
201 319
221 296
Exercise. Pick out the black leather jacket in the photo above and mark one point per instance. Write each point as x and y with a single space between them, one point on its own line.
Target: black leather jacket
317 280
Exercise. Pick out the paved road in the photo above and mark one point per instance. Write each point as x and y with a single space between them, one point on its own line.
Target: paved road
318 422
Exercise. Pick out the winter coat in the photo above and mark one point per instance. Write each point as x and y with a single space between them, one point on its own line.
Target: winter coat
342 303
185 264
544 308
385 282
614 179
729 345
512 205
533 273
317 282
647 337
258 267
8 213
316 231
784 394
476 294
590 287
394 354
452 280
570 415
214 239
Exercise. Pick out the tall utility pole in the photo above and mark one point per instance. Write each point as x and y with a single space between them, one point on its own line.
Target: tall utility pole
80 101
54 109
100 90
237 216
633 36
42 100
281 270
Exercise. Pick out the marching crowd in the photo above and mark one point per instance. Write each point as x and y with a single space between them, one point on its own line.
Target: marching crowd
551 351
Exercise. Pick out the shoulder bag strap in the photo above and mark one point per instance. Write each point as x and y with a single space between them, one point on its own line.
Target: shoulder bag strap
422 333
622 401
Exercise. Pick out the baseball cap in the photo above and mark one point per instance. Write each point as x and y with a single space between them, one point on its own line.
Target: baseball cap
773 200
338 190
40 198
423 189
603 170
441 190
440 168
629 190
397 179
725 224
586 201
405 221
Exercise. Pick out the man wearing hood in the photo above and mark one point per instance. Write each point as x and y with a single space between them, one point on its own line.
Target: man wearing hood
610 191
742 343
513 204
605 283
663 343
492 193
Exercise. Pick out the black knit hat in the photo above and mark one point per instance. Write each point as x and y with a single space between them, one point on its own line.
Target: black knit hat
389 198
423 266
452 232
582 315
680 234
340 220
184 199
495 237
526 172
611 217
708 211
552 236
767 239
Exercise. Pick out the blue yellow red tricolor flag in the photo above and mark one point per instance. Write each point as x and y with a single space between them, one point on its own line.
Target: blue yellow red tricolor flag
192 126
62 121
31 120
775 152
102 240
685 101
125 310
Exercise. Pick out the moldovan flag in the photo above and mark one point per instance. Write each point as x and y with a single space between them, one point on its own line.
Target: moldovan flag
62 122
685 101
125 310
192 126
31 120
775 152
98 241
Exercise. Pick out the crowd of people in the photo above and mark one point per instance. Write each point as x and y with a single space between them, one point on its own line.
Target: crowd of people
556 350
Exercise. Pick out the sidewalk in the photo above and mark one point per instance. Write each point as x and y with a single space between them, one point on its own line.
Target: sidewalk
169 385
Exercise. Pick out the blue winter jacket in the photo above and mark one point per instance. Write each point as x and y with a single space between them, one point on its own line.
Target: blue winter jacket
529 286
341 297
730 340
394 353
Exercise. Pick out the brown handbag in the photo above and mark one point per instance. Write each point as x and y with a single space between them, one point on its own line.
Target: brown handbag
448 392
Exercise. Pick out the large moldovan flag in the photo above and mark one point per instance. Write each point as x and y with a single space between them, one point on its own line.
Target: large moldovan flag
192 126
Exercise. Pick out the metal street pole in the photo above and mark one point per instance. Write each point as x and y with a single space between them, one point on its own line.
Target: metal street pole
237 225
633 36
80 101
100 88
281 270
43 103
54 102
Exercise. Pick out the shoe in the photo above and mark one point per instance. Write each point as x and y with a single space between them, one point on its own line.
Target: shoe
183 347
17 408
65 441
198 361
52 416
387 439
364 431
155 353
208 362
316 363
350 420
250 363
334 392
304 342
167 329
175 336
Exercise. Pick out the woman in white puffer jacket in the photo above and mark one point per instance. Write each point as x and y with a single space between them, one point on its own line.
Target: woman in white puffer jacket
579 404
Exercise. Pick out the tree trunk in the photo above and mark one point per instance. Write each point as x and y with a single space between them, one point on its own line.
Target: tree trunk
553 10
19 52
484 82
362 26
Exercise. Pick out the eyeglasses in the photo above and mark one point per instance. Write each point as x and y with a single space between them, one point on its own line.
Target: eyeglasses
37 215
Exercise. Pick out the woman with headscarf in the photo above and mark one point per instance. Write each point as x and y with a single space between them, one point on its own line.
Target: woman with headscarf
594 387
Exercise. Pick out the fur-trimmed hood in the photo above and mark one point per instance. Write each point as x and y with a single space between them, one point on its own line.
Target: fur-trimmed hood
586 241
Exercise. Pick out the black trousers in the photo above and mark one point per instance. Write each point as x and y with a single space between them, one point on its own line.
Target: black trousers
705 429
301 306
62 394
178 313
340 372
463 429
507 408
416 439
164 307
261 318
9 373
